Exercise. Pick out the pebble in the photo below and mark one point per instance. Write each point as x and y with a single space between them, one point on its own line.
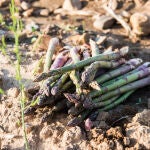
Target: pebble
44 12
103 22
72 5
25 5
28 12
140 20
13 92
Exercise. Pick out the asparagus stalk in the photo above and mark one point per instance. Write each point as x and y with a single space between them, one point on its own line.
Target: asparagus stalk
94 48
96 104
118 101
60 60
75 98
130 65
131 86
89 74
51 48
57 87
74 75
135 76
82 64
141 67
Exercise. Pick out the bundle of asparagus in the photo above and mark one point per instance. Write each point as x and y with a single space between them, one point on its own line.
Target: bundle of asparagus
85 80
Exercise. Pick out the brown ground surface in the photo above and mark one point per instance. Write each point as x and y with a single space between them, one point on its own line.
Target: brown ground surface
125 127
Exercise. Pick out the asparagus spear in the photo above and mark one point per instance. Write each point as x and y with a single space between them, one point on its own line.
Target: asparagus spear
130 65
94 48
82 63
121 82
51 48
131 86
75 98
89 74
117 102
74 75
57 87
60 60
141 67
96 104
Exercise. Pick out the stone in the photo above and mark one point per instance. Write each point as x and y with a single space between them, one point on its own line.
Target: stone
140 20
72 5
25 5
113 4
44 12
103 22
4 2
28 12
51 5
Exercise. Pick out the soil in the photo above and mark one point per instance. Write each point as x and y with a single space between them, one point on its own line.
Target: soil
124 127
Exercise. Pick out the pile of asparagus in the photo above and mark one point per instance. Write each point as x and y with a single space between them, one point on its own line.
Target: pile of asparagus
85 80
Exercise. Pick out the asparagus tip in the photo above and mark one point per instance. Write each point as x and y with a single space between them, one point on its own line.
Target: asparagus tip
40 77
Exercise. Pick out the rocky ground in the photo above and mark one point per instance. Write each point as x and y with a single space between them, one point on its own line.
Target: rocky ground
125 127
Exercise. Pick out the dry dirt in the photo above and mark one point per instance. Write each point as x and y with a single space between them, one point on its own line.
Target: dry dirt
125 127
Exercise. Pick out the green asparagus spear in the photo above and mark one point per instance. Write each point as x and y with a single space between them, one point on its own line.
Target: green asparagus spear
121 82
51 48
130 65
57 87
117 101
74 75
82 64
131 86
94 48
89 74
96 104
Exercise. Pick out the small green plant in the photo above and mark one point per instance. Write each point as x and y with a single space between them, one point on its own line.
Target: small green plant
3 46
1 91
16 28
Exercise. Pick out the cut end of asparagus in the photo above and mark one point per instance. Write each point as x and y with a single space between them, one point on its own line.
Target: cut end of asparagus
94 85
124 50
88 124
135 62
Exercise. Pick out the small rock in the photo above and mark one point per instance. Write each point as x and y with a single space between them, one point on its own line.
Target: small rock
25 5
72 5
126 141
44 12
140 20
13 92
51 5
28 12
32 25
103 146
103 22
